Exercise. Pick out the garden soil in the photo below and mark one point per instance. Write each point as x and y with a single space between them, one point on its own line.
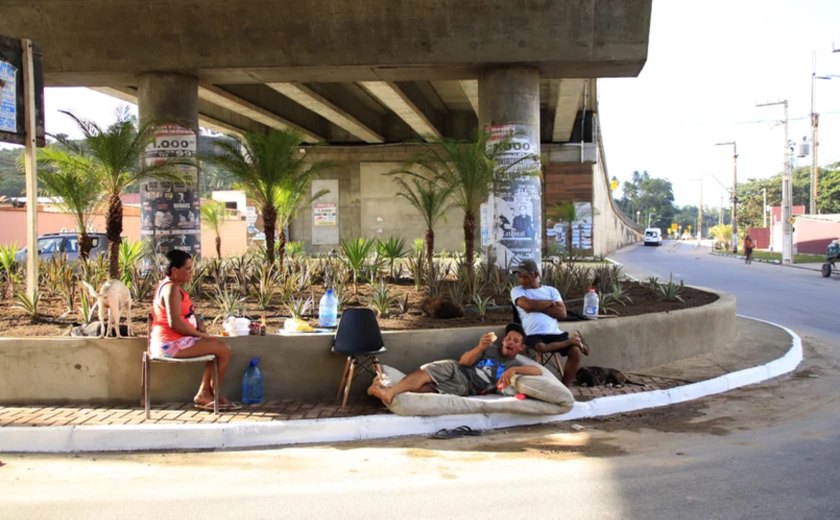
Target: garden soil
54 319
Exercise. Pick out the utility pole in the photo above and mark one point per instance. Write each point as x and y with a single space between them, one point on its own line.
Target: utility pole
815 123
815 140
699 211
764 209
787 226
734 214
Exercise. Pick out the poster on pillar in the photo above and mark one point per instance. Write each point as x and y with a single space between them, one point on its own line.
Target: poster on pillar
511 219
169 209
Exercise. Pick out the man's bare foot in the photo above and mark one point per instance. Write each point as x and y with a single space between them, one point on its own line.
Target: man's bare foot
381 381
540 347
380 393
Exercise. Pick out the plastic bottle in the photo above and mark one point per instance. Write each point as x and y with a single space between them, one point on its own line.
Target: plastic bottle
252 383
328 310
590 304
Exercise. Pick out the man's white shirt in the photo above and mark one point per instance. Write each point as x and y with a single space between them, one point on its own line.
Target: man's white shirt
537 322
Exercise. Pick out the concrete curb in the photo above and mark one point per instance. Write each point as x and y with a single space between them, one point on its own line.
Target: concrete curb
63 439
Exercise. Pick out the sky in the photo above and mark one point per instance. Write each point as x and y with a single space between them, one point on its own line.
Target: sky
709 63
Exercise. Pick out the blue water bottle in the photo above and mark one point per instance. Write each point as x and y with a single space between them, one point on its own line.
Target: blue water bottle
252 383
328 310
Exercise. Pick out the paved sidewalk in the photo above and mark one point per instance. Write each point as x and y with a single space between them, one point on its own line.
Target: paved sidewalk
760 351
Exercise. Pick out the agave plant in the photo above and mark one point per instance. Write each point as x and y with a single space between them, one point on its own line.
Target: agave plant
86 306
354 254
670 291
294 249
65 284
298 307
652 284
266 285
29 303
229 301
9 266
241 266
391 249
481 305
381 300
142 285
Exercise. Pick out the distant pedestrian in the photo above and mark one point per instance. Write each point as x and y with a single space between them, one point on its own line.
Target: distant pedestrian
748 249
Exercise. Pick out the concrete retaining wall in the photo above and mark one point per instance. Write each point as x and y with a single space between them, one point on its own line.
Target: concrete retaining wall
58 370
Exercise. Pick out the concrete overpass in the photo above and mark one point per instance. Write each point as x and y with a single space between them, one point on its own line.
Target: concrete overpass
362 76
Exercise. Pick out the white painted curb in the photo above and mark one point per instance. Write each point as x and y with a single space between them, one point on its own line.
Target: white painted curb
62 439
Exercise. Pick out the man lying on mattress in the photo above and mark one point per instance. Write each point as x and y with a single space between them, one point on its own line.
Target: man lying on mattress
481 370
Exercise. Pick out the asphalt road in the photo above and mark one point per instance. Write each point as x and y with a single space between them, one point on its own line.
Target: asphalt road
795 297
769 451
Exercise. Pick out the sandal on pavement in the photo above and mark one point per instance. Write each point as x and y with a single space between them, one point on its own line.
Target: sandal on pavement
455 432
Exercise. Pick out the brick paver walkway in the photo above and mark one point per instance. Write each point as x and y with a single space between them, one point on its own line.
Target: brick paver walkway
286 410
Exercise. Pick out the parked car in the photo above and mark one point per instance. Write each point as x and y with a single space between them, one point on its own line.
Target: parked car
653 236
54 244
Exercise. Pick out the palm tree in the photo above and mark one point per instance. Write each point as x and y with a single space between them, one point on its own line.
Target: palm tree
469 169
67 176
268 167
114 156
213 215
566 213
429 197
288 201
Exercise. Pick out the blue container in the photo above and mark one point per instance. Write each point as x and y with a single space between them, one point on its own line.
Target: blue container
328 310
252 383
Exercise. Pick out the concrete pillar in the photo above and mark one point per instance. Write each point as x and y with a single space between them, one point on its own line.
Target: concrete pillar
170 217
509 107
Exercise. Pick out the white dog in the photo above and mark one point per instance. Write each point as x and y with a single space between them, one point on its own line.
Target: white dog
114 296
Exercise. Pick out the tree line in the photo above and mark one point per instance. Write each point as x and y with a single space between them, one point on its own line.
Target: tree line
646 199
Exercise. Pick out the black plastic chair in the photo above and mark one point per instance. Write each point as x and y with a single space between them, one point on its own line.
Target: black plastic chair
543 358
358 337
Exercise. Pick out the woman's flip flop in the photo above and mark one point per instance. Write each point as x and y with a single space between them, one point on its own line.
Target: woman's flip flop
460 431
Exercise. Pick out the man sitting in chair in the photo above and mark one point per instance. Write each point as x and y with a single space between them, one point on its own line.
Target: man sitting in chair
539 307
478 372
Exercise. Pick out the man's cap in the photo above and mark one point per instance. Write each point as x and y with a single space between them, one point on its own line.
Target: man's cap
527 266
515 327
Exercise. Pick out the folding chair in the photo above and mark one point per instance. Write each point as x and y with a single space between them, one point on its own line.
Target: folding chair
358 337
148 359
543 358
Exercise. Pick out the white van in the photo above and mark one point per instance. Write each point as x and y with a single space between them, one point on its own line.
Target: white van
653 236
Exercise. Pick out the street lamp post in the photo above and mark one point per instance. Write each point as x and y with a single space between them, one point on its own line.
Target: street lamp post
787 225
734 214
815 142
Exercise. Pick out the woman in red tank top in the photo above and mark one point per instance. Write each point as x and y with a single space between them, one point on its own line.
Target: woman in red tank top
177 332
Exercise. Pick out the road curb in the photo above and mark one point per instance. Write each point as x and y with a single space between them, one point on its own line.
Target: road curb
74 439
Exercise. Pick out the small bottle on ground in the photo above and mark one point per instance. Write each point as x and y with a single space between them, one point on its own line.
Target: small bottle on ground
590 304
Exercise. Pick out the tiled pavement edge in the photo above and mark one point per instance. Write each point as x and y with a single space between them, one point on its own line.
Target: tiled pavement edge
762 351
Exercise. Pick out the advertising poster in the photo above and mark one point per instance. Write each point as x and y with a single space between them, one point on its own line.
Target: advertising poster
8 97
324 214
581 231
169 214
512 219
